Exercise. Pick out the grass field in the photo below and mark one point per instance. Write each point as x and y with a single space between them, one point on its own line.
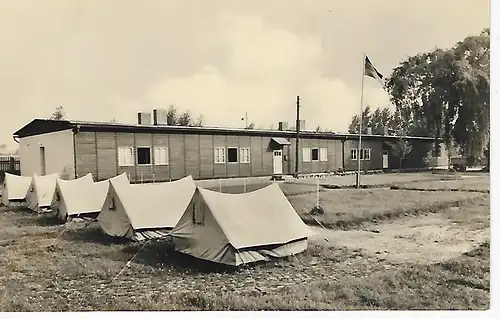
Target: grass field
347 208
383 249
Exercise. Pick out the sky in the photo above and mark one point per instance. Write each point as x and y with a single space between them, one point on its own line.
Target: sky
109 59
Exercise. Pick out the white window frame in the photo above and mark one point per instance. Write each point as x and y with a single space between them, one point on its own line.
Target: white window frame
125 149
237 155
219 155
150 156
244 155
354 151
158 152
323 154
367 158
306 154
314 160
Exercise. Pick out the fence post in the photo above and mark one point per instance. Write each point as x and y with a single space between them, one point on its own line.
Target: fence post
142 178
153 178
12 165
220 185
317 192
244 185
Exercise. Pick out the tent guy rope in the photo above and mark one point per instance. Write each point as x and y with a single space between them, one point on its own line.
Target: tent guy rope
131 259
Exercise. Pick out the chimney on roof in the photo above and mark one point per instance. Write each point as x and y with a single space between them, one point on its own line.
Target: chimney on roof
160 117
144 118
302 125
385 130
282 126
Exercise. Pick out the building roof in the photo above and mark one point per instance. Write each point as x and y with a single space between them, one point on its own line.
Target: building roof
41 126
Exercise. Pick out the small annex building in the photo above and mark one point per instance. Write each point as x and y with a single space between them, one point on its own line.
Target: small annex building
15 188
145 211
236 229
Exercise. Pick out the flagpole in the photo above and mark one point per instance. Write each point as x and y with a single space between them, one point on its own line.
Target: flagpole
358 179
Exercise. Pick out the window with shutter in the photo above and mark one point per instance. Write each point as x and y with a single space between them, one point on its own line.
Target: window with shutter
306 154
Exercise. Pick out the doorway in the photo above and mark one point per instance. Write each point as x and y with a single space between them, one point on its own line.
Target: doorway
385 159
277 162
42 160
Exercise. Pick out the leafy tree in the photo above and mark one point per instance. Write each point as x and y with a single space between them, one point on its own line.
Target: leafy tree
401 148
59 114
183 119
376 120
354 126
3 148
445 94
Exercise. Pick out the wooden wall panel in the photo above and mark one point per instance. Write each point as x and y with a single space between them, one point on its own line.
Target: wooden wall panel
107 156
177 164
206 156
245 169
86 154
267 156
192 155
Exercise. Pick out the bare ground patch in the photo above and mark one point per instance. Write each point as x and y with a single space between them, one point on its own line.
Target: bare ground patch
376 180
433 237
467 184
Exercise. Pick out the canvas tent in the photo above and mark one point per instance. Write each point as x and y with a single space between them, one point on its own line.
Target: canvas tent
144 211
15 188
236 229
41 191
81 197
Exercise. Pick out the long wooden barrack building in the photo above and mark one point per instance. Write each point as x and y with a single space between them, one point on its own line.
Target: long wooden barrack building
149 152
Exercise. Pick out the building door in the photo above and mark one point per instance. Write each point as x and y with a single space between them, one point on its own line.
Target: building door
42 160
277 162
385 159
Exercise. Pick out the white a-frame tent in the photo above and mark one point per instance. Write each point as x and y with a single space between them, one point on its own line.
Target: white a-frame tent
81 197
236 229
15 188
71 196
41 191
145 211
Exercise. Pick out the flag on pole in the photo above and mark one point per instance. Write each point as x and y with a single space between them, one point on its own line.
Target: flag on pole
372 72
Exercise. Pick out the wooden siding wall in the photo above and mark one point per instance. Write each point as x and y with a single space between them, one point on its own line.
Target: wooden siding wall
375 161
193 154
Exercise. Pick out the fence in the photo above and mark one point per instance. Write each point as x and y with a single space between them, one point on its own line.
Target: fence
9 164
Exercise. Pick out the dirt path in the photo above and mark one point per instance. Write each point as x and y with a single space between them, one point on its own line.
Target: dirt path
425 239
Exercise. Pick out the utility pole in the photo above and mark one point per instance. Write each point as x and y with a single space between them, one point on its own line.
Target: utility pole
297 130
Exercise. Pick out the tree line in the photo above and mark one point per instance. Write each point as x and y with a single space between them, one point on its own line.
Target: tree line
442 94
174 117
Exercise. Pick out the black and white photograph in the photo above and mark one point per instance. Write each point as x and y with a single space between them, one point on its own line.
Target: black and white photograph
216 155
